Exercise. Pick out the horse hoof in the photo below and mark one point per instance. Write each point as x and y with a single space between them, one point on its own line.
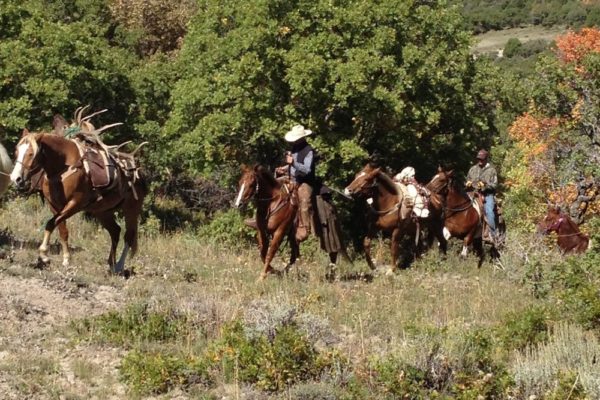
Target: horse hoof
390 272
41 263
66 263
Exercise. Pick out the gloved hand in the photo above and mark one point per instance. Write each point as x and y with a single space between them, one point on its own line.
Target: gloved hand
480 185
468 184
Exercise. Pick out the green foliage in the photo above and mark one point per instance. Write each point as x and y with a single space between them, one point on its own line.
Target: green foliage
134 324
398 379
482 16
512 48
227 227
270 364
568 387
523 329
576 281
57 58
389 77
154 372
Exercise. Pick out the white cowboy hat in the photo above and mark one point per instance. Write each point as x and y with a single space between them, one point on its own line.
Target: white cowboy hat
297 132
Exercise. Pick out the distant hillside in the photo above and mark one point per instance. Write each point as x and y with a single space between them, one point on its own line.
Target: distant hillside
494 41
487 15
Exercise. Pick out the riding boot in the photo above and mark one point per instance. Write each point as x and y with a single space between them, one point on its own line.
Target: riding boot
303 229
304 198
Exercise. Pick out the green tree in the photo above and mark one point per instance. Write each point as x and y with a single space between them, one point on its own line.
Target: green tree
55 58
393 77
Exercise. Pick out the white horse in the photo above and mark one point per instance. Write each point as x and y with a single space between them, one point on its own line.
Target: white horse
6 167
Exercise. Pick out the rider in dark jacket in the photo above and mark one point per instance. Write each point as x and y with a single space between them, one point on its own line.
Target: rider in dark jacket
301 164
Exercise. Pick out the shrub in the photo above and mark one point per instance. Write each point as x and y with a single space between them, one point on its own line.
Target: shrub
512 47
154 372
569 351
576 281
134 324
270 364
523 329
227 227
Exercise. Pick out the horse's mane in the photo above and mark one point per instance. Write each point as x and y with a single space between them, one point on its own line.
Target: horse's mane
387 182
265 174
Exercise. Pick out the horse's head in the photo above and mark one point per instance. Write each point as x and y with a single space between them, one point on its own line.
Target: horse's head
441 182
551 221
364 182
247 186
27 159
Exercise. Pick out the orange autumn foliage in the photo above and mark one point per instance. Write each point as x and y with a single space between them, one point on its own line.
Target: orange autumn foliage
533 133
574 46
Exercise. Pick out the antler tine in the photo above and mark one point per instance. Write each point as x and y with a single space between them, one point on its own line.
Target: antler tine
138 148
117 147
78 119
105 127
94 114
76 113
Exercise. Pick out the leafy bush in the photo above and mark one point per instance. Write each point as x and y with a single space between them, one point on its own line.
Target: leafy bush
227 227
576 281
134 324
270 364
154 372
512 48
523 329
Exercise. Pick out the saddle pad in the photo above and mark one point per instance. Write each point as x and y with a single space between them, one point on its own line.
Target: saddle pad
102 169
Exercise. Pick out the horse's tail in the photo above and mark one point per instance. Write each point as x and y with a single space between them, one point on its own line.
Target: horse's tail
6 167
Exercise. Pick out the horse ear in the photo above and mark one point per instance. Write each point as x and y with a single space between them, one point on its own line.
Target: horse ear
59 124
256 167
25 132
440 169
450 173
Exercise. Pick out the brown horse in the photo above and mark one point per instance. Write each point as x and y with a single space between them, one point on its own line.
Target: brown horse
68 189
568 236
275 212
461 215
385 213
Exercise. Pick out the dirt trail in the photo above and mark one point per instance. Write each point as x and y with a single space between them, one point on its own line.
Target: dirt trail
32 313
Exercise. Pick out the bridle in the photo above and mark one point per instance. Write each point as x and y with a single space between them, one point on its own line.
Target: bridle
557 224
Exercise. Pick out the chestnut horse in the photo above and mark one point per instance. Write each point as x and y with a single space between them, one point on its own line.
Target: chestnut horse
461 215
5 167
385 213
68 190
275 212
568 236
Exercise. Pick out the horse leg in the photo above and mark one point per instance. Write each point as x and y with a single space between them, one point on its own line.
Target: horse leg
367 249
131 213
70 209
395 250
64 242
108 222
263 243
273 246
478 247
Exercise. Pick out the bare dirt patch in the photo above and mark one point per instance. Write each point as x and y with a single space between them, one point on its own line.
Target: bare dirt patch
36 359
496 40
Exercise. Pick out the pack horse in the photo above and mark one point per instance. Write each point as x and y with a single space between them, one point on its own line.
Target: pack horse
83 174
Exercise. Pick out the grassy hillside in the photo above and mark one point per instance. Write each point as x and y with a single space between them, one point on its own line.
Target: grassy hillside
188 323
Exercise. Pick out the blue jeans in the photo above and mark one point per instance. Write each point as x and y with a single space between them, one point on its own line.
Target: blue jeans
489 212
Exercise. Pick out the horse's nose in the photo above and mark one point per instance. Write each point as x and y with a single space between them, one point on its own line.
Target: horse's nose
347 192
19 182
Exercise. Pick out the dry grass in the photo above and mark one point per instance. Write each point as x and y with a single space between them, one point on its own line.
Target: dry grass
177 272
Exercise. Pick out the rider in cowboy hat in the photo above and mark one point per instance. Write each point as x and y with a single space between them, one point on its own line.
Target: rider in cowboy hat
300 163
484 178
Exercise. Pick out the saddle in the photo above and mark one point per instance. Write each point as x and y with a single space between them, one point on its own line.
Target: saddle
479 199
